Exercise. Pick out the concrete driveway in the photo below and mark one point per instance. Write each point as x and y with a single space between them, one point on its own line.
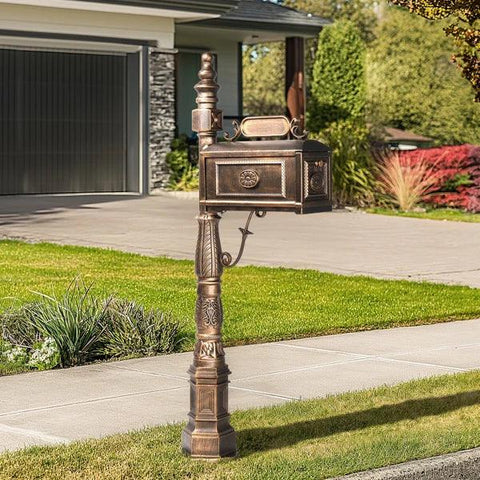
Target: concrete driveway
340 242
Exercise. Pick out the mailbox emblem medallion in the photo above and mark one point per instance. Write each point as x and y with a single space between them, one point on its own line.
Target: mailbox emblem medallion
249 179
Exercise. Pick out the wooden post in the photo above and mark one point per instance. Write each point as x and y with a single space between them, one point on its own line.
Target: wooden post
295 78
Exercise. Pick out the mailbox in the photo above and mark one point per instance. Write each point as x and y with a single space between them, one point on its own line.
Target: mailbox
283 175
269 175
274 169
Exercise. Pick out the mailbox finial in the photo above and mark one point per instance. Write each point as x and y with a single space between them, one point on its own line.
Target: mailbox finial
207 119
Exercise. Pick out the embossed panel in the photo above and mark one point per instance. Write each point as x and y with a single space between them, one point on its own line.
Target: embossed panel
316 180
246 177
206 400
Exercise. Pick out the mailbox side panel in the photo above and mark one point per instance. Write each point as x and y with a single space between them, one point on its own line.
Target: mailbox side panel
315 185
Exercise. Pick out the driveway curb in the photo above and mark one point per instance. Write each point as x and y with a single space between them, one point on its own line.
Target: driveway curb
463 465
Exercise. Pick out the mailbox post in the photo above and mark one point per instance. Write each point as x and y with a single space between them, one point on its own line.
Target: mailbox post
208 433
290 175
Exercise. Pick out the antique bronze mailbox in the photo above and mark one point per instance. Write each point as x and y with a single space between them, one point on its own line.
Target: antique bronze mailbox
272 175
257 175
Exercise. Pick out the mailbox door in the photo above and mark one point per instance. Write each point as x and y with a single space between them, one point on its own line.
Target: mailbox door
267 181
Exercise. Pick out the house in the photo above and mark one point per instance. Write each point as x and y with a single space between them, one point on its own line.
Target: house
398 139
93 91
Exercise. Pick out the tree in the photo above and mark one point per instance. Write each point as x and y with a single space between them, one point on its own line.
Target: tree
465 29
414 85
359 12
264 79
338 83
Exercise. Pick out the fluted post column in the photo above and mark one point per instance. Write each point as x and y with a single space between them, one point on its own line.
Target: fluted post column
208 433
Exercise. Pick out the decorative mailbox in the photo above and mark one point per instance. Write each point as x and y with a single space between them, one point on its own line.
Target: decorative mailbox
271 174
283 175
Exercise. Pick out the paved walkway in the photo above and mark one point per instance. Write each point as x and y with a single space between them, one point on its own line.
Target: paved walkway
340 242
96 400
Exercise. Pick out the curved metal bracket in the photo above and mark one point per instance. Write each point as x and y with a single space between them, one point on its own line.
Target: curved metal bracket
297 130
237 132
226 258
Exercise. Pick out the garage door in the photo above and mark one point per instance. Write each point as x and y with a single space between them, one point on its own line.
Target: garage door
63 122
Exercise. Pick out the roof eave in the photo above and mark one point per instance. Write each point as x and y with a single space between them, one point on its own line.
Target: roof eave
214 7
301 30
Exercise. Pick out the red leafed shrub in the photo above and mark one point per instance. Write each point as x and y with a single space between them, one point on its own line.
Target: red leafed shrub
457 173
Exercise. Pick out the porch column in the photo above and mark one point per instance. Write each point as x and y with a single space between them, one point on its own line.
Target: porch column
295 78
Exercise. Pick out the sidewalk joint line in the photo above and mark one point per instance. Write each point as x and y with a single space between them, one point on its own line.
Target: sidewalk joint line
266 394
153 374
85 402
301 369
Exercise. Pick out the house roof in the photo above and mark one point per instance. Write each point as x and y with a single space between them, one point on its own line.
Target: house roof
267 15
215 7
397 135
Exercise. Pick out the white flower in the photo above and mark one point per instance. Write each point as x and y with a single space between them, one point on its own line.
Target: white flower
15 354
46 356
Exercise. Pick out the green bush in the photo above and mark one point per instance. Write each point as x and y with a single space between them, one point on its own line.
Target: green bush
183 173
12 358
133 330
76 322
459 180
78 328
339 81
352 165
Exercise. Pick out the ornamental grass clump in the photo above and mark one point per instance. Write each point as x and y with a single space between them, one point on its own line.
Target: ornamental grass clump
78 328
132 330
75 321
405 183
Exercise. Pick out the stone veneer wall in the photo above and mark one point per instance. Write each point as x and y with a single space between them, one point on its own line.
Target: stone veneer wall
162 115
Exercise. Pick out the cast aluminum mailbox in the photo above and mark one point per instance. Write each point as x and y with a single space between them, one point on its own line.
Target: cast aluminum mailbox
272 175
269 172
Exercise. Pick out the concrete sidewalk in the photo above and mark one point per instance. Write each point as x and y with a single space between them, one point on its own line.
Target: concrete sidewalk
96 400
340 242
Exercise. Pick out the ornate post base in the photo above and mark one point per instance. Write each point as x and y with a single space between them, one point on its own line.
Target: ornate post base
209 434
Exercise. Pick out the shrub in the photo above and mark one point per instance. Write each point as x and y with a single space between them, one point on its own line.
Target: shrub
132 330
75 321
405 183
456 170
338 83
78 328
183 173
352 165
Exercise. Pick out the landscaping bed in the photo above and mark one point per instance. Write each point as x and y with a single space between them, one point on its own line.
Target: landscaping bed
299 440
261 304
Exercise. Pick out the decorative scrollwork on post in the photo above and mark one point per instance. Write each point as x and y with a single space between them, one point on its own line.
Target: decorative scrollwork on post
210 311
208 433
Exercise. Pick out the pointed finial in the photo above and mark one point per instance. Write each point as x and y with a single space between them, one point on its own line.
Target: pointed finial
207 119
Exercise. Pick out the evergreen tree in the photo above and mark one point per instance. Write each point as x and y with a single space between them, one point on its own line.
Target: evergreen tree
338 89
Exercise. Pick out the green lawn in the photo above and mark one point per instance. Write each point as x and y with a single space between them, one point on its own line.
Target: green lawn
312 439
451 214
261 304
